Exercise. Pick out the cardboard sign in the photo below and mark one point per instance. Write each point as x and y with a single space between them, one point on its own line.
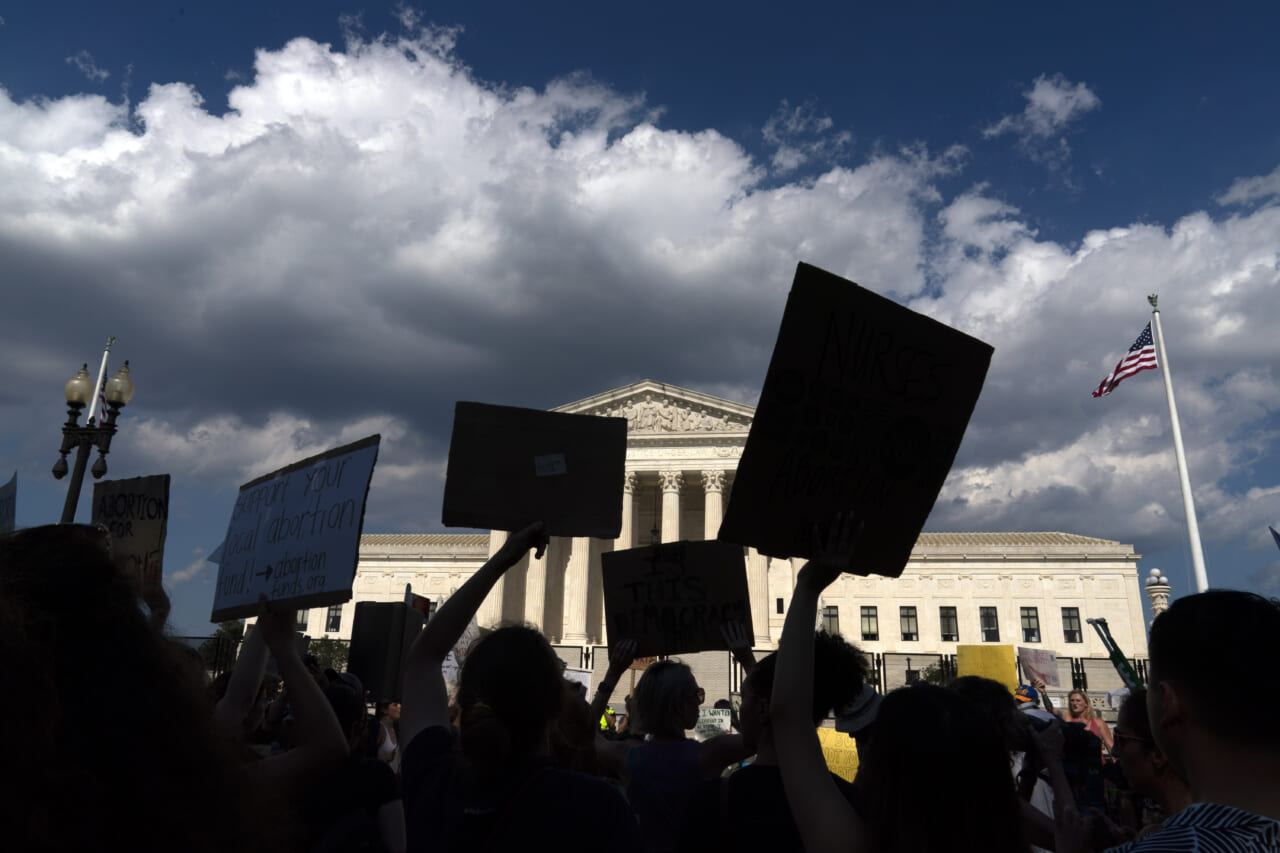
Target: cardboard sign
641 664
509 467
989 661
1039 663
712 722
135 513
673 598
840 752
295 534
9 504
862 410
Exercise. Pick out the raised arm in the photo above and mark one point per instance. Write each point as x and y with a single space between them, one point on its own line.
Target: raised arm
318 737
425 700
826 820
620 657
242 689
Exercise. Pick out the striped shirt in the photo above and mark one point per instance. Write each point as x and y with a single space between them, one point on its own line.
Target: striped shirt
1210 828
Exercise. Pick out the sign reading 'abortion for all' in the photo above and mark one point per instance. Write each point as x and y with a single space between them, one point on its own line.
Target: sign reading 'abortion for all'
136 514
295 534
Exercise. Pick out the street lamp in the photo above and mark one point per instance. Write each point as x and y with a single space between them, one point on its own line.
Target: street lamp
117 390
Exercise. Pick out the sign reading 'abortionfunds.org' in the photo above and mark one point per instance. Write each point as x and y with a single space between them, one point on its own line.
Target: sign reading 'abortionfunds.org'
295 534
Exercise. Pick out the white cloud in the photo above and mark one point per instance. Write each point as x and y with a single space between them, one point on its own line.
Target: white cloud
193 570
1248 190
370 234
800 135
83 61
1053 104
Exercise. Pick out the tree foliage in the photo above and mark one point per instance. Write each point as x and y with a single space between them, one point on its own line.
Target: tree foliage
219 651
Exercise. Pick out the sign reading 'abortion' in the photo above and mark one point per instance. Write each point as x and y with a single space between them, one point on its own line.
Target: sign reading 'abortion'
295 534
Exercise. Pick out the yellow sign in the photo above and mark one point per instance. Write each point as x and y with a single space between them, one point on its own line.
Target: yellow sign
989 661
840 752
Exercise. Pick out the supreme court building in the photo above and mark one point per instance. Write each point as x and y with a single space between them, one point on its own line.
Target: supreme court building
1020 588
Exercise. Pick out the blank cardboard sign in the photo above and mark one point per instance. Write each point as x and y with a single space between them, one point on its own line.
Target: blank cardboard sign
862 411
509 467
673 598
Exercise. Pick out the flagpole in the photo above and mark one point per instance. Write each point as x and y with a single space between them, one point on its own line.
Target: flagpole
102 374
1188 505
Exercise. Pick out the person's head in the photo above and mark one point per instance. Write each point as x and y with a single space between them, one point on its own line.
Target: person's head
100 759
1079 707
349 709
509 694
933 746
1134 748
1203 648
839 671
995 701
667 699
388 711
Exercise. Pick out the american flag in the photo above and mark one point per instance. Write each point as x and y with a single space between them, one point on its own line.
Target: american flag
1141 356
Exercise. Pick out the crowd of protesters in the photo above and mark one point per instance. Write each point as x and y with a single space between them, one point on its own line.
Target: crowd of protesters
115 738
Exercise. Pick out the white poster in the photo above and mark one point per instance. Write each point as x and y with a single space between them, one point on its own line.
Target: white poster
712 722
579 676
295 534
1039 664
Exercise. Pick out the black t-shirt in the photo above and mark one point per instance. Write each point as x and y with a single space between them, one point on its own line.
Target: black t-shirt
538 806
749 813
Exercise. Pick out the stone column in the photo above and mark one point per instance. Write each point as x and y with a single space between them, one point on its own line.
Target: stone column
595 591
758 590
575 591
713 487
535 590
491 610
671 483
626 539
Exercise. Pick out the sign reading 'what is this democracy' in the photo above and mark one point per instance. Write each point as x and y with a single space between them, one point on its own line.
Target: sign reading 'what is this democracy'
674 598
862 411
295 534
135 513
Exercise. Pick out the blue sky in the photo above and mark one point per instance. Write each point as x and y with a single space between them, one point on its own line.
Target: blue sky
320 220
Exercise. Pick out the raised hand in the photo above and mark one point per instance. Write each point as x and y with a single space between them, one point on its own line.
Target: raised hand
532 536
834 553
278 627
738 640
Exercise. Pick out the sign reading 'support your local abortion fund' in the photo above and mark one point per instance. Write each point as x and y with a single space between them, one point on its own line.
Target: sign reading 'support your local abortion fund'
295 534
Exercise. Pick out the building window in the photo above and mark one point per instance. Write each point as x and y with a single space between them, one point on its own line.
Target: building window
831 619
301 624
333 621
910 627
1071 625
950 624
990 624
870 624
1030 625
780 605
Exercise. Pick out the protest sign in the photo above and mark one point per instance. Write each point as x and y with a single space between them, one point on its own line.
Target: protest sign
712 722
135 513
641 664
673 598
509 467
840 752
9 504
294 534
1039 664
863 409
579 676
988 661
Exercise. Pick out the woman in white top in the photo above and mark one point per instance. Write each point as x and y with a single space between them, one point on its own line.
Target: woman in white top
388 714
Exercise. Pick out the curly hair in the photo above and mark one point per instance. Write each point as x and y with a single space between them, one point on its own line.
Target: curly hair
100 756
839 671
